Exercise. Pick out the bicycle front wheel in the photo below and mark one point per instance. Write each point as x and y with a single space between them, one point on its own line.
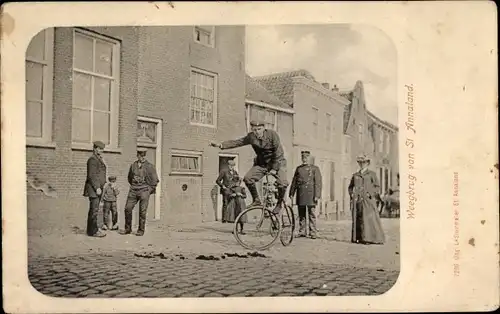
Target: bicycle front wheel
257 223
288 226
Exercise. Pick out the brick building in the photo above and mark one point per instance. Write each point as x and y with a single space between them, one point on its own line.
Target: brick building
171 89
318 127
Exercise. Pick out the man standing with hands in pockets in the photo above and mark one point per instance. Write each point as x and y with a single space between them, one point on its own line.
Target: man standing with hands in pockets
96 178
307 184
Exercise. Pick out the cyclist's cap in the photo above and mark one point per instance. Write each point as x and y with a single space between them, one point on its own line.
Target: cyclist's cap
256 123
99 144
305 152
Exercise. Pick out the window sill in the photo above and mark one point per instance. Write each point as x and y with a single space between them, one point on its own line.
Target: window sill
203 125
188 174
204 45
51 145
89 148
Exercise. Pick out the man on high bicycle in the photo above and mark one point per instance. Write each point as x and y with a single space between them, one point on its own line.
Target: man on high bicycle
270 158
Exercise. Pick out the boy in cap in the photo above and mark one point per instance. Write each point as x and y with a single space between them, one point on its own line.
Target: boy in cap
143 180
96 178
270 158
307 184
109 198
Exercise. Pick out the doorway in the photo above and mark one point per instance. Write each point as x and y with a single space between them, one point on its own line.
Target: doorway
149 136
223 164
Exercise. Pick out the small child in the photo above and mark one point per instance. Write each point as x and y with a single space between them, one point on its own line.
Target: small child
236 203
109 198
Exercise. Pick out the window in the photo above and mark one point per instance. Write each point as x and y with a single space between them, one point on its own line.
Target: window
347 145
203 106
95 89
361 133
268 116
328 127
185 162
381 141
388 143
205 35
315 121
39 73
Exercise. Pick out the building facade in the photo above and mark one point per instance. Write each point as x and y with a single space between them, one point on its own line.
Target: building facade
365 133
317 127
385 152
170 89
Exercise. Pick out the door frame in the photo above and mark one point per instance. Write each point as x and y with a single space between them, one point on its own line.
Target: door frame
219 196
158 160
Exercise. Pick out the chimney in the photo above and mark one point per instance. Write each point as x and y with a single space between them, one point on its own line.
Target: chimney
326 85
335 88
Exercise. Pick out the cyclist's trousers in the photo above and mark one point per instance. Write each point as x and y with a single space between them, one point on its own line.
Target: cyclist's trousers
256 173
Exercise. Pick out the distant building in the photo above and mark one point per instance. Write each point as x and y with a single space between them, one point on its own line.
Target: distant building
364 133
317 127
385 151
170 89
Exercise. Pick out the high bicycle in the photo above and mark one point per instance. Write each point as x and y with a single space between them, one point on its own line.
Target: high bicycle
263 227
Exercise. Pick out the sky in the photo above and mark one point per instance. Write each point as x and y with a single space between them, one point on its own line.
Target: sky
338 54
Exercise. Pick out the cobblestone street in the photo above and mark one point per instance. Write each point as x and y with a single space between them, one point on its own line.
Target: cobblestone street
165 264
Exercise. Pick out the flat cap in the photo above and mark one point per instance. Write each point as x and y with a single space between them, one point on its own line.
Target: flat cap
256 123
112 178
142 150
305 152
99 144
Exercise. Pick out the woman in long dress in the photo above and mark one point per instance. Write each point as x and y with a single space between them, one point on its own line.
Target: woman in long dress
364 190
236 203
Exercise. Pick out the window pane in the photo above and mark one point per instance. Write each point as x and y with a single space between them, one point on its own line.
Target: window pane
36 48
83 57
34 81
101 127
81 90
80 125
102 92
34 116
104 56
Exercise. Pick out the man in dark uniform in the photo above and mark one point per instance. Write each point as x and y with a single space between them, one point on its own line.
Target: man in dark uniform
143 180
96 178
223 181
307 183
270 158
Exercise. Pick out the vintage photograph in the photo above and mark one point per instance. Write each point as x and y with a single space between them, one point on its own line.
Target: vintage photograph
212 161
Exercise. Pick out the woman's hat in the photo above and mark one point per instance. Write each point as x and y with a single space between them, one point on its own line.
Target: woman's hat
363 158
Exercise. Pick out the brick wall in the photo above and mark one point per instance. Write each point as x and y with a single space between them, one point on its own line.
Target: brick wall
166 55
64 167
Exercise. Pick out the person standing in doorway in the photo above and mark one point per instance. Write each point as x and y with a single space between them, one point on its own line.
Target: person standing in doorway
224 181
143 180
96 178
307 183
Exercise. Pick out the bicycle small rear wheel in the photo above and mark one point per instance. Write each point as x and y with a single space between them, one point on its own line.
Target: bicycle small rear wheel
287 226
257 223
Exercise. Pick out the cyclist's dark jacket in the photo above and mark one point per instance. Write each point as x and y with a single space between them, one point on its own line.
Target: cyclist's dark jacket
268 149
